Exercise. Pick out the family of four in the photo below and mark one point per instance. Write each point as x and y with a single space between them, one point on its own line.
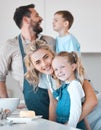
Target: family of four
56 83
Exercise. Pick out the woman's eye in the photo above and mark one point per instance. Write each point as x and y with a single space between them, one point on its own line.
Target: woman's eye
46 57
38 62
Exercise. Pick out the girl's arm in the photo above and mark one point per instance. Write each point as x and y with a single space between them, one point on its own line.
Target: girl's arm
76 94
90 99
52 107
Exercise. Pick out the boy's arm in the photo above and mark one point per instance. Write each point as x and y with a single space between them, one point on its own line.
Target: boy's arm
90 99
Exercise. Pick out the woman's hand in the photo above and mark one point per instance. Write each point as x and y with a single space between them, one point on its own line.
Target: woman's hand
90 99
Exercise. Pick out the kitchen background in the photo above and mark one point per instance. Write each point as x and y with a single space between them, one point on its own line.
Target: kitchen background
86 27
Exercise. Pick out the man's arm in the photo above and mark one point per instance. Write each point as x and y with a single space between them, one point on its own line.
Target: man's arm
90 99
3 90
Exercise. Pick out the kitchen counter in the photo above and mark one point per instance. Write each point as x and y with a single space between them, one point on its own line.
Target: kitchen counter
37 124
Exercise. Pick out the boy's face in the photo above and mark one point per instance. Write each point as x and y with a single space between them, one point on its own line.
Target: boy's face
59 23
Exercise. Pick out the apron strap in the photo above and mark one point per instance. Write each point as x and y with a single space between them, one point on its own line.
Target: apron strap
22 51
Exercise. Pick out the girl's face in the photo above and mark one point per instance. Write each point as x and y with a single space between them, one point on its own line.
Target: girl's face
42 60
63 69
59 23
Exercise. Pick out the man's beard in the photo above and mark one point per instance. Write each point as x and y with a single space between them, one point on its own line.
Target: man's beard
36 28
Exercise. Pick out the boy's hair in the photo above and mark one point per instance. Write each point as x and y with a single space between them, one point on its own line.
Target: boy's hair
67 16
20 12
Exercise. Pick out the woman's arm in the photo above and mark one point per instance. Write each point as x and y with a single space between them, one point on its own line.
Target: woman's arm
90 99
52 107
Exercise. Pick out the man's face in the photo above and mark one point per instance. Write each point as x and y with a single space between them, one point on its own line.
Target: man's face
35 21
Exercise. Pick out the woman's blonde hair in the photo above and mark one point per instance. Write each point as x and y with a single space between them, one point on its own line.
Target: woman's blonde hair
72 57
32 75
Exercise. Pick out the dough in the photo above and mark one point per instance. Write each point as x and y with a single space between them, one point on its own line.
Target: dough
26 113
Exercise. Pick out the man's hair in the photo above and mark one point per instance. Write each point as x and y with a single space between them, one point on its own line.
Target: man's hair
67 16
20 12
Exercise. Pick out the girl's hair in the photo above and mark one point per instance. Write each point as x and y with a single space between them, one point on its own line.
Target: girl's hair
72 57
67 16
32 75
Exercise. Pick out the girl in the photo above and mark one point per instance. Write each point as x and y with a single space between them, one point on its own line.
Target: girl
68 68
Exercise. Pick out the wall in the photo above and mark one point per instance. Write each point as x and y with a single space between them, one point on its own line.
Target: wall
92 63
7 24
86 27
87 19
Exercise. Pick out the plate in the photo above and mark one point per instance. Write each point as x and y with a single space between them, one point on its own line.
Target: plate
22 120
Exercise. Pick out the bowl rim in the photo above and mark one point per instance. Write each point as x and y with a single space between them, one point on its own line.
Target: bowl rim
8 98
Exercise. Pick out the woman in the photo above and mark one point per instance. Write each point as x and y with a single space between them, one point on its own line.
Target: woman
38 62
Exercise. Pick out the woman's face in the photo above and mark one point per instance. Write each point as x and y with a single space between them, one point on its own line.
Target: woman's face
42 60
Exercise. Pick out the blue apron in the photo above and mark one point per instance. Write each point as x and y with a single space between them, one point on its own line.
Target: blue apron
35 100
63 104
64 111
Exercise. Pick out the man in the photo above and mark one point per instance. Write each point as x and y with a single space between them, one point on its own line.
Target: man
11 58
